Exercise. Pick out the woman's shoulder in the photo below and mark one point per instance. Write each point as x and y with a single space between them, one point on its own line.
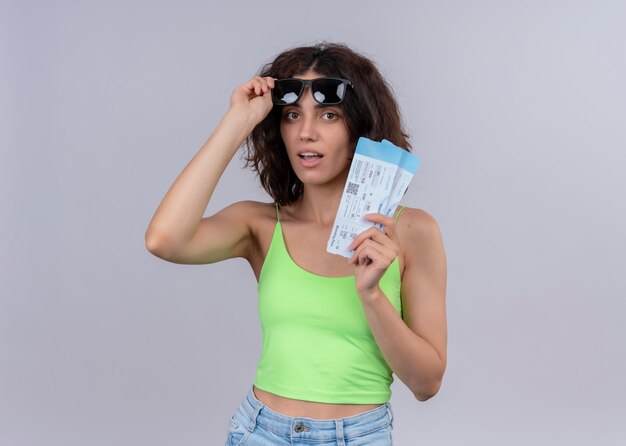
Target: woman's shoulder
416 226
260 218
415 216
251 211
419 239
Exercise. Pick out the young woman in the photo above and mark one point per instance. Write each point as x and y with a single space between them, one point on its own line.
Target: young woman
334 330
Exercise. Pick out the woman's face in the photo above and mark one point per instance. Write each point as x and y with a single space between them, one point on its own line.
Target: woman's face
316 138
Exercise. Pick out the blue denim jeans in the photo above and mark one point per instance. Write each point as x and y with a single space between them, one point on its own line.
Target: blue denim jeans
255 424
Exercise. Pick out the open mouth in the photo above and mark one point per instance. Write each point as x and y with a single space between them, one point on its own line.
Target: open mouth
310 155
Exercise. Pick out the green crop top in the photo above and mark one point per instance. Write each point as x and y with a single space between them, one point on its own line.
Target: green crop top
317 344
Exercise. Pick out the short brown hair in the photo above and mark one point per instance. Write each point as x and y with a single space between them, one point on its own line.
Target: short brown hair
369 106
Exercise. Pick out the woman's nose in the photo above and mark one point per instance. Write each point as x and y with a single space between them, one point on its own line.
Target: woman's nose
308 130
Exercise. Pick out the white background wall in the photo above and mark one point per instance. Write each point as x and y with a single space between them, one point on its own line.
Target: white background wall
517 110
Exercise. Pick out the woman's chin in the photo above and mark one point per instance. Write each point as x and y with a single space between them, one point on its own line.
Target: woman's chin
318 179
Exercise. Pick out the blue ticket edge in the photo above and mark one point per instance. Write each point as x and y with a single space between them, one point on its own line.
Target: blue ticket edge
383 152
408 161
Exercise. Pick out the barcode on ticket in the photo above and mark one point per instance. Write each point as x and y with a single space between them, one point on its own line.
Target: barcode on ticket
352 189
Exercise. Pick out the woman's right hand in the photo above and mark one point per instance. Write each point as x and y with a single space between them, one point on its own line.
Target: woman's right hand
254 97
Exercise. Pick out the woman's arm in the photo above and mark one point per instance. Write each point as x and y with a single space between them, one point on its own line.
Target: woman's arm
414 348
177 231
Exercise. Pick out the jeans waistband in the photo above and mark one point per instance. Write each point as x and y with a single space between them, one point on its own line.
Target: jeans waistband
303 427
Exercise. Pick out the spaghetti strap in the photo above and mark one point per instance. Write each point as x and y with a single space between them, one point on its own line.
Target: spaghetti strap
398 214
277 216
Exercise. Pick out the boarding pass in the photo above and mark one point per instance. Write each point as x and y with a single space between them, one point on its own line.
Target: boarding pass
379 176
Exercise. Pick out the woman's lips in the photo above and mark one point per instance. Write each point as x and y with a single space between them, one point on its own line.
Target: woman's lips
310 158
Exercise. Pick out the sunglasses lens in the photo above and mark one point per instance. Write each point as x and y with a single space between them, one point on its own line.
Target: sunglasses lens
328 91
286 91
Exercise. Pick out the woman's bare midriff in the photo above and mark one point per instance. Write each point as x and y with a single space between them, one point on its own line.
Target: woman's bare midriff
309 409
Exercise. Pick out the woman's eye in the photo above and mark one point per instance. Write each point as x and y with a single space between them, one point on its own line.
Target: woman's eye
291 115
330 115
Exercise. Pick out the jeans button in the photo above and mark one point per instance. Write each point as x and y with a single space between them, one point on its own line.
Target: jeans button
300 428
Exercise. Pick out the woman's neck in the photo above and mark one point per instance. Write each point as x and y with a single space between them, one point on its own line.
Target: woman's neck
318 204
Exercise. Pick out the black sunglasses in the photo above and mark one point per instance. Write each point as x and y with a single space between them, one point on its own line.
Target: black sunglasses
325 90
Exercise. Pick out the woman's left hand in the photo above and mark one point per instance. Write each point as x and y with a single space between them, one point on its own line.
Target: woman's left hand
375 250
